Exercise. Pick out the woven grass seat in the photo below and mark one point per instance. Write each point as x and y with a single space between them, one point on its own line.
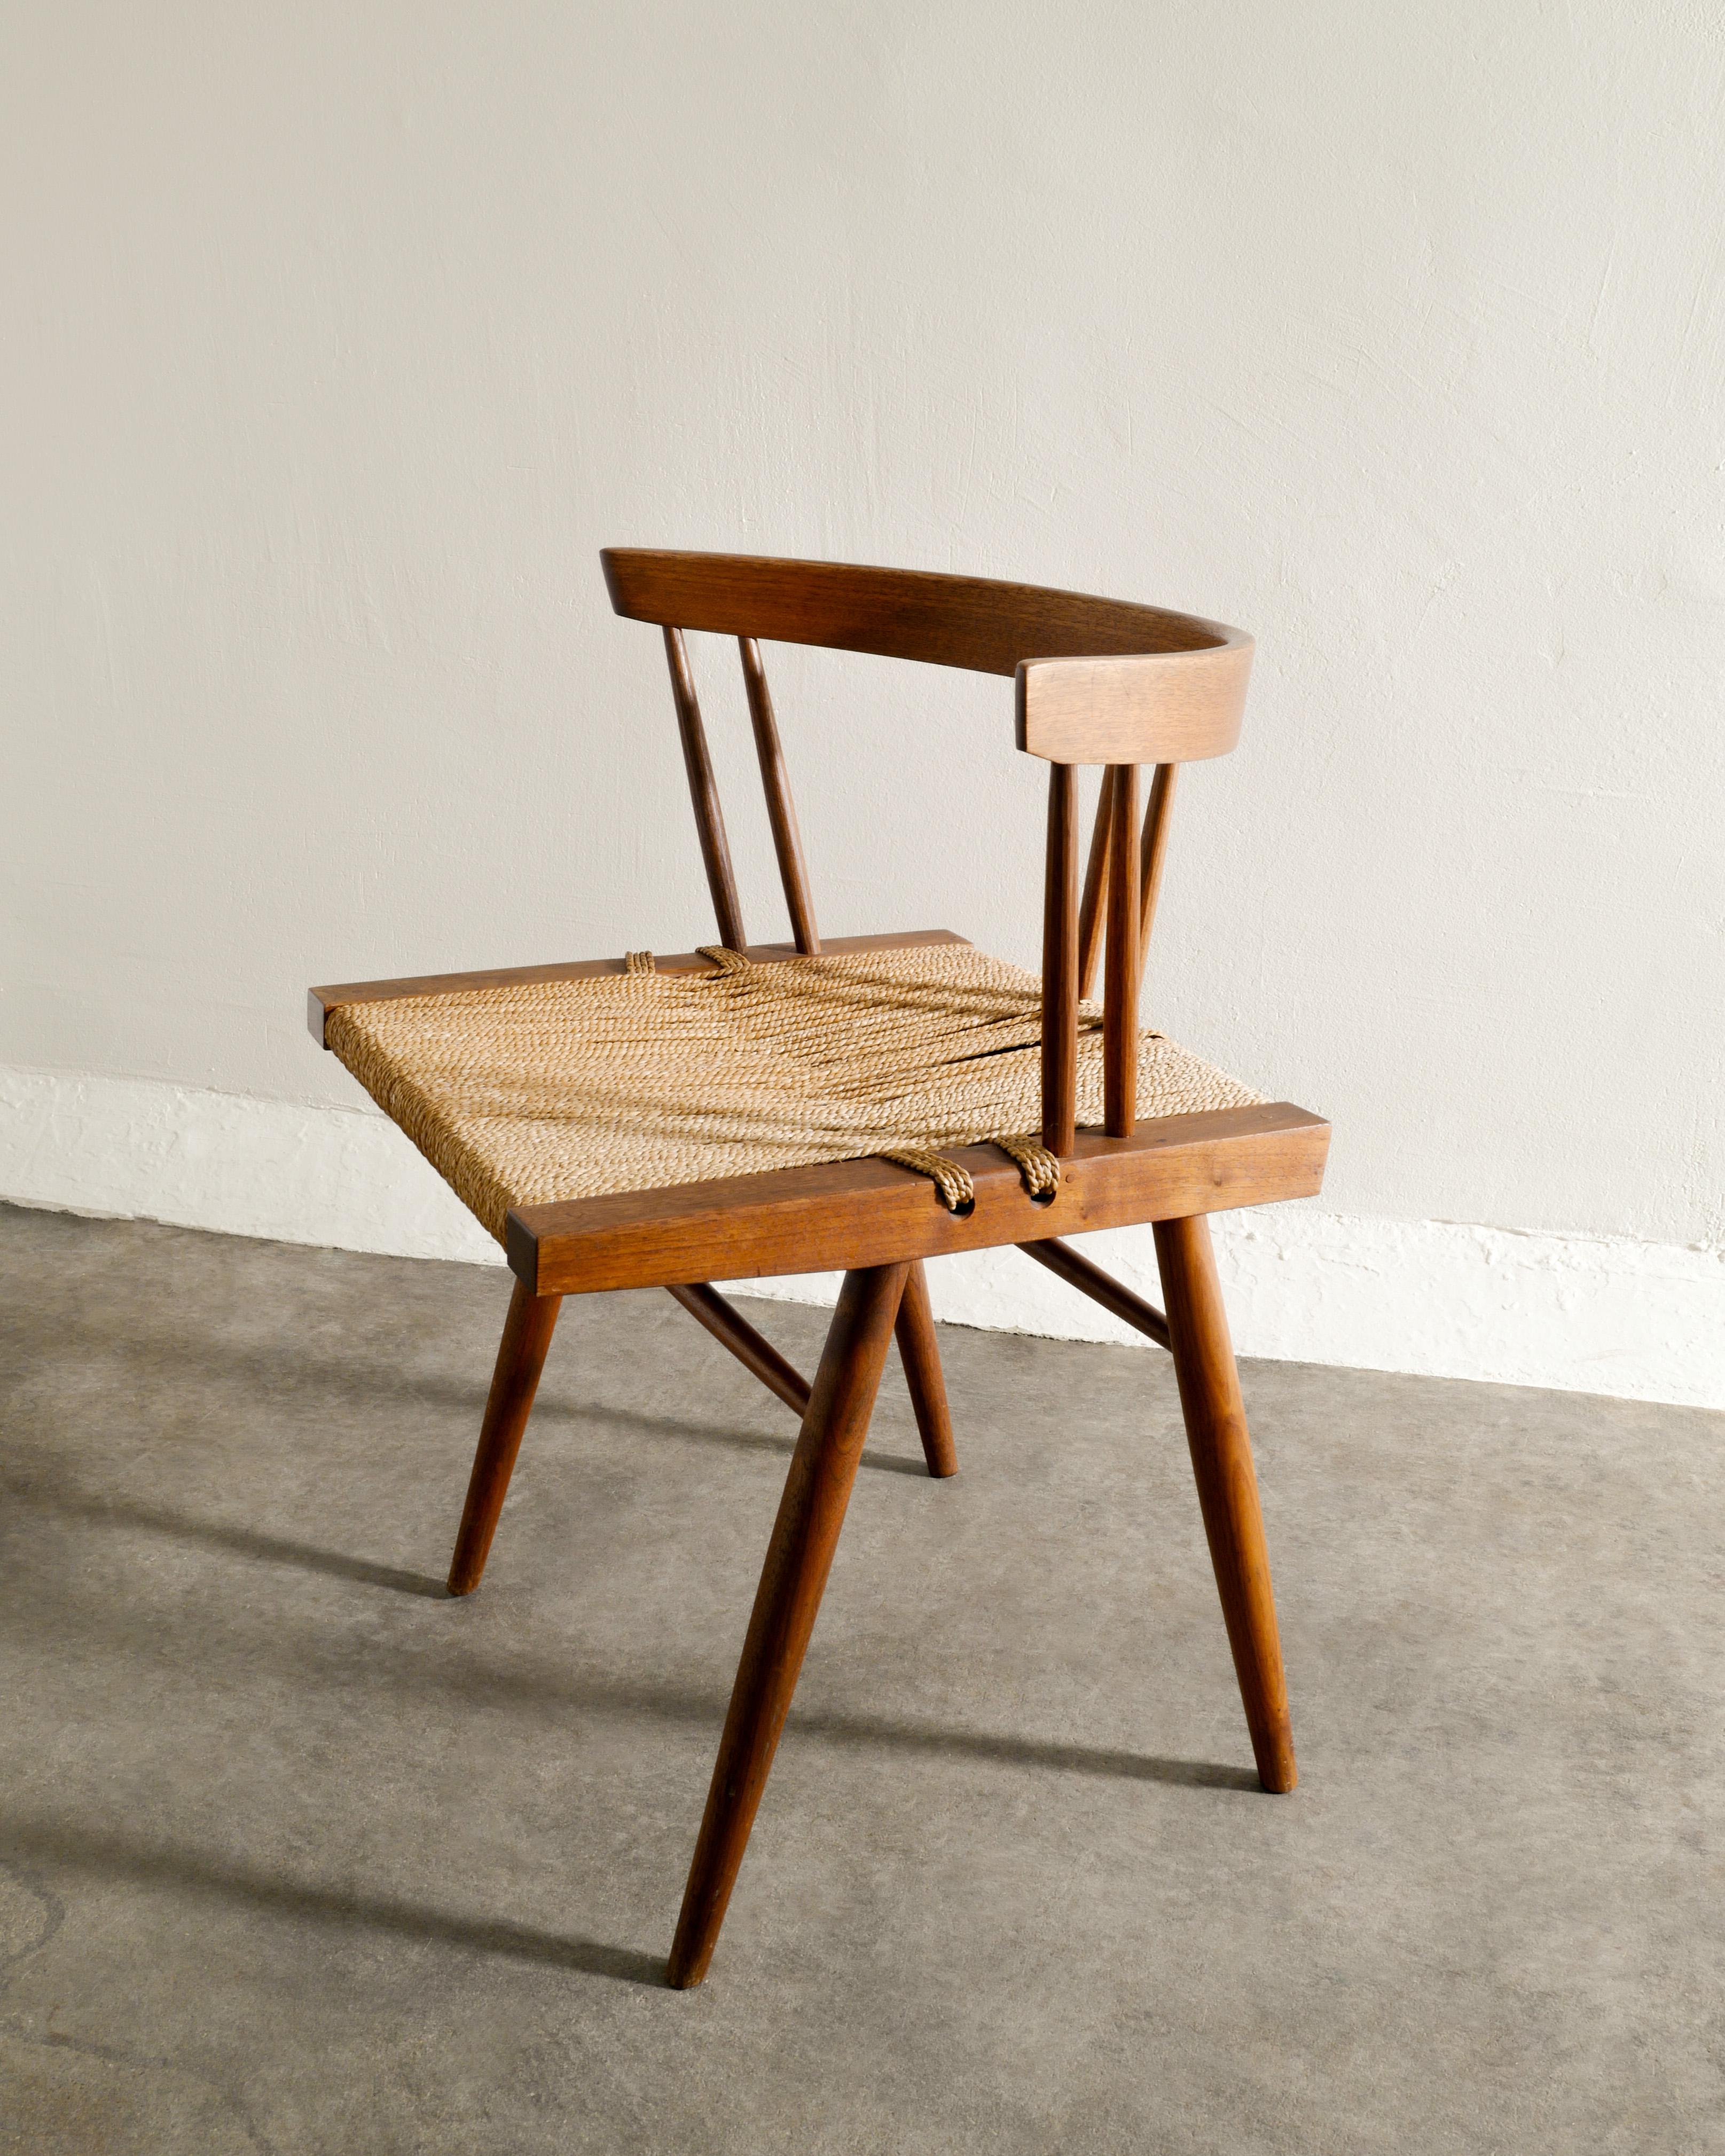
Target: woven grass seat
638 1080
862 1106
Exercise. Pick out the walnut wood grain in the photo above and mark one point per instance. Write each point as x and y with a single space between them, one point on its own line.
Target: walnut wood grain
321 1001
1113 1295
799 1556
781 809
977 622
1153 855
919 1351
753 1350
1120 972
704 794
847 1214
1227 1488
1091 914
1059 962
521 1358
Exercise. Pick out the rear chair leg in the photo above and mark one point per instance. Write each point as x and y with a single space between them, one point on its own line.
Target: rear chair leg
521 1357
921 1355
804 1536
1227 1487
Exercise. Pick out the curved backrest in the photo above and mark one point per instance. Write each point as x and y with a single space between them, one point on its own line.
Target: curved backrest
1098 681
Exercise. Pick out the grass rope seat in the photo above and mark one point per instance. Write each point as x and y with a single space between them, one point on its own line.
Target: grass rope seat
531 1093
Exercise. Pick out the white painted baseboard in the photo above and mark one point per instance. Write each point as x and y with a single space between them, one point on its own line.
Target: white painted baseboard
1581 1313
131 1147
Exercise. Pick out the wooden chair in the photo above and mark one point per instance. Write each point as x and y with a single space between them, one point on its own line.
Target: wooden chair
1097 681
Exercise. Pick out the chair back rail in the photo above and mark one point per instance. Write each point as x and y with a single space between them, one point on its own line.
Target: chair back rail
972 621
1095 680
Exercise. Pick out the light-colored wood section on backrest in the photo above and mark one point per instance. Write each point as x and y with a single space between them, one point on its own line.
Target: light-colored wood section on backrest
1160 707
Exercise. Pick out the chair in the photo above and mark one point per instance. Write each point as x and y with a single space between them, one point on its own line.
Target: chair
863 1104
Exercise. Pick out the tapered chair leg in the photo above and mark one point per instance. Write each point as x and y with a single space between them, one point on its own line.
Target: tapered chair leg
798 1557
920 1352
521 1358
1227 1487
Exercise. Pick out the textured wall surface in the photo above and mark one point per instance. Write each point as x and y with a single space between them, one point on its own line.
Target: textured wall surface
338 340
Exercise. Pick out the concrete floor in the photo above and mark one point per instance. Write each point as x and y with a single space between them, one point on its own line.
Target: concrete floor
299 1855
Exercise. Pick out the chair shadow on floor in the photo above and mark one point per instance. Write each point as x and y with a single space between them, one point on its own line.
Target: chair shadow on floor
739 1440
999 1749
52 1844
286 1376
253 1542
235 1541
691 1707
561 1693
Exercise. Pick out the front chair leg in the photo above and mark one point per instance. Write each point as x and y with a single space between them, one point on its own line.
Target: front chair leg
920 1352
805 1534
521 1357
1227 1487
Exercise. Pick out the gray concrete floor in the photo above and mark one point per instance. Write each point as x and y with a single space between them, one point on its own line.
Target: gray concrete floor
299 1855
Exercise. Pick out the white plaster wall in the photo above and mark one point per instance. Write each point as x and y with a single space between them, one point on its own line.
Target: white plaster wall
336 340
